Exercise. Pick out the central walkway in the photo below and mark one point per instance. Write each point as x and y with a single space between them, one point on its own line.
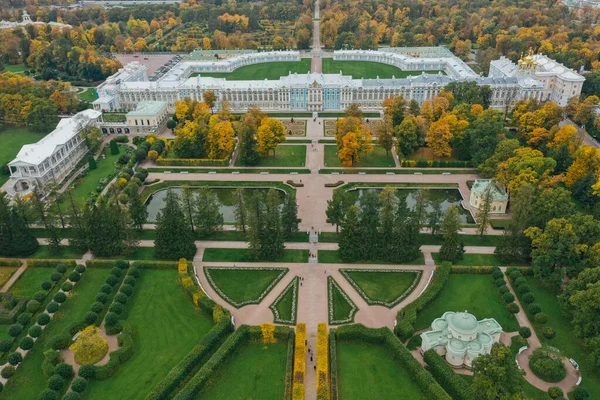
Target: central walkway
317 62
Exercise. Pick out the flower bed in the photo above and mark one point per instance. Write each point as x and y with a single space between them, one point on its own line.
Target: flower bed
290 290
238 304
323 392
346 273
332 287
294 128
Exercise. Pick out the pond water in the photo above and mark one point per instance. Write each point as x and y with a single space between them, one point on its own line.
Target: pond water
448 197
226 197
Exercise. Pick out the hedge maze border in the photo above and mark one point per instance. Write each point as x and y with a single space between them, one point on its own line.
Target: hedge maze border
331 283
293 286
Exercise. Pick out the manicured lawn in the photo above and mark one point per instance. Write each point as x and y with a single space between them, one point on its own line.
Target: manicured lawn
286 155
88 95
29 380
343 309
331 257
242 255
254 371
244 285
377 158
271 71
385 287
475 293
565 340
478 260
88 184
366 69
13 138
367 372
31 281
287 305
66 253
5 274
17 68
139 254
166 326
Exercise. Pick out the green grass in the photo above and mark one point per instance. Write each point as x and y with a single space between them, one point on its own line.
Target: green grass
376 159
31 281
17 69
343 309
254 371
565 340
475 293
88 95
332 257
29 380
242 255
287 155
369 372
366 69
65 253
5 274
166 327
427 239
386 287
271 71
88 184
13 138
139 254
244 285
477 260
285 304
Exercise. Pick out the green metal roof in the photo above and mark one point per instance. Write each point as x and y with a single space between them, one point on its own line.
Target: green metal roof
145 108
481 185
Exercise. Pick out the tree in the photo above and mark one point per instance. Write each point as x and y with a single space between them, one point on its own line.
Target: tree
255 218
496 375
174 239
408 135
182 110
336 208
138 211
527 165
248 153
43 114
505 149
93 137
483 214
188 201
111 231
289 216
394 110
114 147
272 236
452 248
469 93
270 133
435 216
439 137
482 137
350 238
171 124
240 210
550 203
91 163
369 224
385 137
208 216
514 246
353 110
48 221
210 98
16 239
389 203
220 140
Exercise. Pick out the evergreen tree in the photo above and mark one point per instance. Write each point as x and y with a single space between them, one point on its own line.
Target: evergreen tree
111 230
91 163
452 249
6 245
174 239
187 195
272 236
80 228
514 244
114 147
48 221
289 216
369 225
420 205
256 223
248 145
208 217
336 208
435 216
138 211
240 210
16 239
483 215
389 204
350 236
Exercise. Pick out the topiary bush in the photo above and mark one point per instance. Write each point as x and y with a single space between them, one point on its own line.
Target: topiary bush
541 318
116 271
528 298
89 347
525 332
90 318
7 371
117 308
87 371
97 307
67 286
513 308
35 331
49 394
5 345
14 358
580 393
24 318
121 298
60 297
65 370
15 330
521 290
32 306
43 319
127 290
26 343
549 333
106 288
79 384
46 285
503 289
111 319
555 391
520 281
55 277
52 307
61 268
74 276
40 296
497 274
112 280
133 271
129 280
534 309
72 396
500 282
101 298
508 298
547 366
56 382
80 268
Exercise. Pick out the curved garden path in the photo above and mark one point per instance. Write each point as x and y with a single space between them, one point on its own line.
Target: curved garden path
68 355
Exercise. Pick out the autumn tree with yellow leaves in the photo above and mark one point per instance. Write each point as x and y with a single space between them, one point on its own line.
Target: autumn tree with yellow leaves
270 133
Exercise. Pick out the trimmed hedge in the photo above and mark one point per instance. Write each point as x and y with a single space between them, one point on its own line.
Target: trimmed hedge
195 162
289 366
155 264
458 269
383 336
421 163
10 262
407 316
34 263
333 373
103 263
443 373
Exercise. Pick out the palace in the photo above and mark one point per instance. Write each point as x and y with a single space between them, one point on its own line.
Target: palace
543 80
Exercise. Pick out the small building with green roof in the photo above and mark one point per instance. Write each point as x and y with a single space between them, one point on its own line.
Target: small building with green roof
148 117
498 196
460 338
